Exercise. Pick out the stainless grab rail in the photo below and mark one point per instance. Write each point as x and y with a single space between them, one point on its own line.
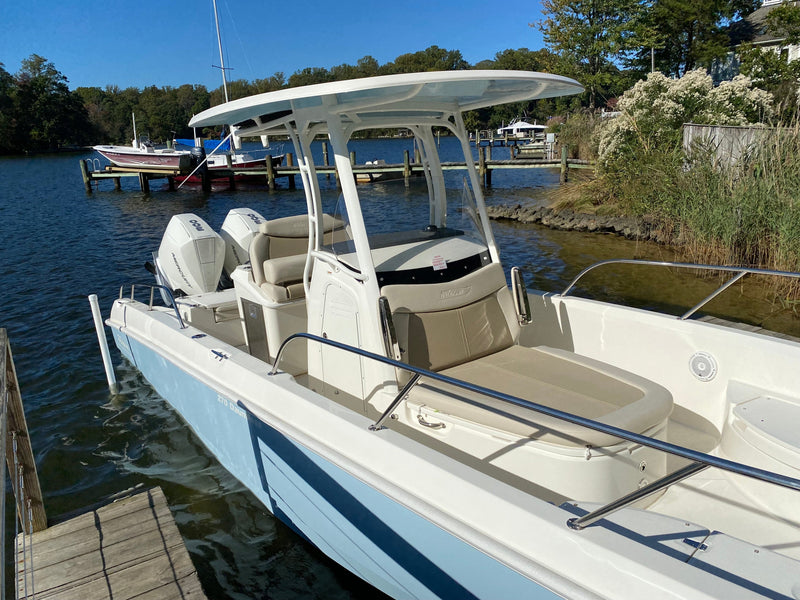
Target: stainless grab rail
153 287
658 485
740 272
693 455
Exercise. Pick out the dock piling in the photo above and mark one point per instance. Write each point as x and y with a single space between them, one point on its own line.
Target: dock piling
564 165
270 172
325 159
144 183
290 163
482 164
87 179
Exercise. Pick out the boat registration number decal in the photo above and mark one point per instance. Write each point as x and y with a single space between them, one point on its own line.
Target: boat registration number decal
232 406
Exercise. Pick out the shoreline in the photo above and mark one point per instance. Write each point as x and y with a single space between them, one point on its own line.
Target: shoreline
632 228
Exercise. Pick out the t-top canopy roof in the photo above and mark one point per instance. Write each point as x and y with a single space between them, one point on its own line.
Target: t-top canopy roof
396 96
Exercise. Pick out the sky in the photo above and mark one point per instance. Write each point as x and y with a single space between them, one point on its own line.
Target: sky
172 42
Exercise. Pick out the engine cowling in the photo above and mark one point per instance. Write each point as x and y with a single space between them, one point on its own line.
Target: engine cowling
191 256
238 229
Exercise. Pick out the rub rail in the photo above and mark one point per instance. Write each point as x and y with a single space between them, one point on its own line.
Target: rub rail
740 272
700 460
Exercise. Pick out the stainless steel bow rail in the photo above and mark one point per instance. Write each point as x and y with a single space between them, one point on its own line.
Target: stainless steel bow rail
700 460
14 439
740 272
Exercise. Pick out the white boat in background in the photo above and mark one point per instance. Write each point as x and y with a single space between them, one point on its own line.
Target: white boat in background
442 434
520 128
142 154
364 175
145 156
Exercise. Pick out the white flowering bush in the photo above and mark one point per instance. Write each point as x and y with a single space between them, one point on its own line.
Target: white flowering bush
654 109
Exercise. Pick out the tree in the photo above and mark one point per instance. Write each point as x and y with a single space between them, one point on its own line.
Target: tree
309 76
48 114
7 119
590 35
270 84
687 34
430 59
521 59
771 70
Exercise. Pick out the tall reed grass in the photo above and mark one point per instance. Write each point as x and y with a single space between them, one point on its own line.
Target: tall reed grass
745 213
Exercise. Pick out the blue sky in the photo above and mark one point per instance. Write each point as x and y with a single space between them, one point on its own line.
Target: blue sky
172 42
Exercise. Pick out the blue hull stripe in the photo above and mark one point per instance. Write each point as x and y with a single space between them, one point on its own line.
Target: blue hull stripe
378 539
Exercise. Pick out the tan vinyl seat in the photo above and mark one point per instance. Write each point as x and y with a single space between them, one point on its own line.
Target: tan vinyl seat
278 254
556 379
466 329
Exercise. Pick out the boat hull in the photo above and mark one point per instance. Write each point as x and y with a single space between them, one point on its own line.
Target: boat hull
168 161
378 539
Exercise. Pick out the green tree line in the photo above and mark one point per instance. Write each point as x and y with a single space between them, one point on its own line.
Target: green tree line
38 111
607 45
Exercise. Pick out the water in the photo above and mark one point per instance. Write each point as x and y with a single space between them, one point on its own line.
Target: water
61 244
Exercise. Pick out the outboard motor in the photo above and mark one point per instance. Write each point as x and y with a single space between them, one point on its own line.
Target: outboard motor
190 257
198 154
238 229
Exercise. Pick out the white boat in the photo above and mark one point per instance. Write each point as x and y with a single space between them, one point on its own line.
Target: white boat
142 154
364 175
520 128
145 156
442 434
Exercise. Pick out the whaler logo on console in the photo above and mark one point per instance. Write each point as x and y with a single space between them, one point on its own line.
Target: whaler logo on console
454 293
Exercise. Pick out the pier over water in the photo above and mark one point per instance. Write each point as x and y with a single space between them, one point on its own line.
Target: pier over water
127 546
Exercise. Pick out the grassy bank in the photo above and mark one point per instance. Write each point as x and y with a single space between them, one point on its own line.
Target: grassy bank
743 214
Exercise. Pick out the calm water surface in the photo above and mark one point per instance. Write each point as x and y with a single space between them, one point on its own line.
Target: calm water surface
61 244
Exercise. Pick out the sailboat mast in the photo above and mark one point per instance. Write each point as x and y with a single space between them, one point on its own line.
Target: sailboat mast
221 58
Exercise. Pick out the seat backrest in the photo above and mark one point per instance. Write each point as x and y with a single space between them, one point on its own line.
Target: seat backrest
278 240
441 325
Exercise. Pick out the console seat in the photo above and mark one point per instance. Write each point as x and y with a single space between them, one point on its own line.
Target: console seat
278 254
466 329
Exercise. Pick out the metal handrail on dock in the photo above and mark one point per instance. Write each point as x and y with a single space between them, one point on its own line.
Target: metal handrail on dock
740 272
155 561
700 460
14 437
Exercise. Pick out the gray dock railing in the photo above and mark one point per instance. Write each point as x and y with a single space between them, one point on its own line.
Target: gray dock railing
31 516
127 545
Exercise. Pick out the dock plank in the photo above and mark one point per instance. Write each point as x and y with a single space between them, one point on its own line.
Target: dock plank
130 548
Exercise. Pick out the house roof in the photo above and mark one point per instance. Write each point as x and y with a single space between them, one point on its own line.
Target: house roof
753 28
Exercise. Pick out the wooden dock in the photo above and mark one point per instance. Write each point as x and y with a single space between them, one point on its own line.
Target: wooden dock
130 548
126 547
270 173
